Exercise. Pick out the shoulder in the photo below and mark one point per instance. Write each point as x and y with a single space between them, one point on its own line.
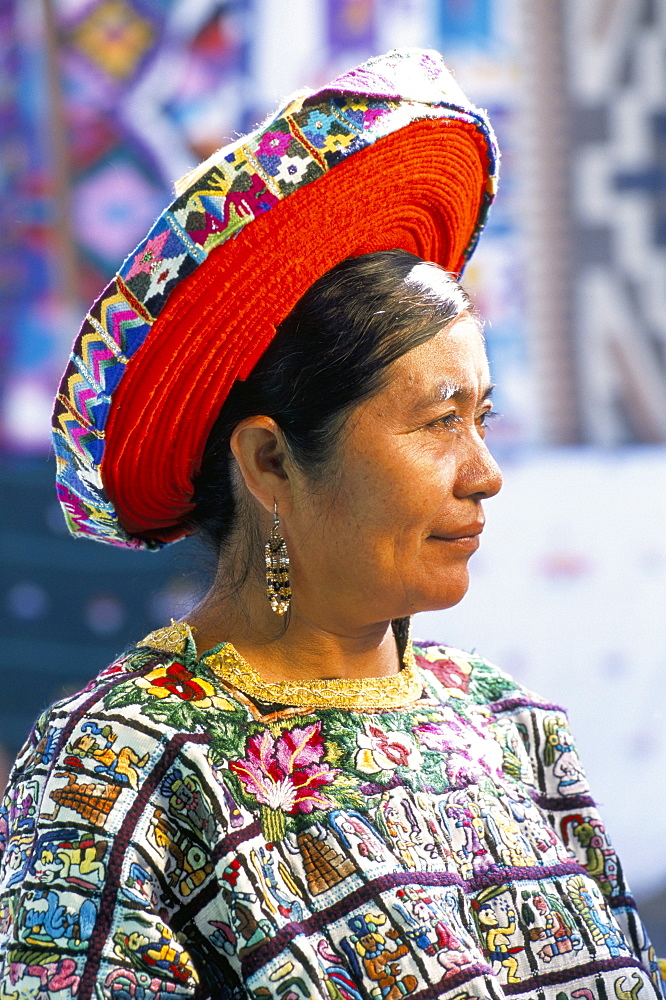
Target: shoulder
145 704
471 676
534 733
114 754
58 722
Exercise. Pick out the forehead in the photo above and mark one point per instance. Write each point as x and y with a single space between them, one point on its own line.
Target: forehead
455 358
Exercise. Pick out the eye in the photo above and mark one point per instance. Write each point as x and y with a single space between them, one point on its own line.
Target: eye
485 418
448 421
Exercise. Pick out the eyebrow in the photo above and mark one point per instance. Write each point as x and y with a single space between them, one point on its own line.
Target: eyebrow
451 390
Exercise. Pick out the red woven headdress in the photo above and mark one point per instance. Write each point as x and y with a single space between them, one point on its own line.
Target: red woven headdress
390 155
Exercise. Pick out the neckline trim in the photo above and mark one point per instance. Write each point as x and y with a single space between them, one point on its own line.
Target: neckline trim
363 693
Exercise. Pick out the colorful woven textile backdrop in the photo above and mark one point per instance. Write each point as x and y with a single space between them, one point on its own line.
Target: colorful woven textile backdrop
110 100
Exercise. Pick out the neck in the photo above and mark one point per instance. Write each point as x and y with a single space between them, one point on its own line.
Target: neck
296 647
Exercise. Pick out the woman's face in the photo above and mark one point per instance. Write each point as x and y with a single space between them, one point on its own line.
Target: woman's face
392 531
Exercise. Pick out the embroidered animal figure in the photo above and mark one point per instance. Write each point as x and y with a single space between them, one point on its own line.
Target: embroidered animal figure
53 976
45 920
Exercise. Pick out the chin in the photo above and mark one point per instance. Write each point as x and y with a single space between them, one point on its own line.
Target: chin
446 602
439 600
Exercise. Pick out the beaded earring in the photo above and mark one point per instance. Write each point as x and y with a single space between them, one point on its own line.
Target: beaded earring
278 587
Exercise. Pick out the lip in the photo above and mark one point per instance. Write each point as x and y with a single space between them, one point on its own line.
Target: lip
468 537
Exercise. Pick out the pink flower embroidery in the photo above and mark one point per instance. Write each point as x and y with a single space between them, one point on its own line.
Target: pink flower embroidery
468 752
287 773
274 144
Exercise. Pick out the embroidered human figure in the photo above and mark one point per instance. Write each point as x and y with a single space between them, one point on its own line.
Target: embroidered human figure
497 938
561 755
428 919
379 960
514 848
599 855
558 925
188 801
357 834
64 854
161 954
288 905
338 981
603 931
465 816
120 765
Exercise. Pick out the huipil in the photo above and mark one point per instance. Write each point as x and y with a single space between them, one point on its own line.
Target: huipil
180 828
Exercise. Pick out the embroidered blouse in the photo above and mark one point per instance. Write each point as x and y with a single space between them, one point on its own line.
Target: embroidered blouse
181 829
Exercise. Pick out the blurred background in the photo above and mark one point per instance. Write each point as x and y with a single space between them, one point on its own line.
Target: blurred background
103 103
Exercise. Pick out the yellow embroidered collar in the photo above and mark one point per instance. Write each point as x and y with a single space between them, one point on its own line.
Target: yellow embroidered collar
364 693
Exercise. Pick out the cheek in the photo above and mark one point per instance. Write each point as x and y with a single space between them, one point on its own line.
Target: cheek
406 500
387 501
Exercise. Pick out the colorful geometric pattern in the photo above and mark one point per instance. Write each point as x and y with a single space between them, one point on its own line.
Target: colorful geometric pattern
134 92
305 140
166 834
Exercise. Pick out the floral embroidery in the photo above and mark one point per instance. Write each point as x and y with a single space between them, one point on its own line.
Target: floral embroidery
292 170
179 681
468 753
287 773
384 750
325 131
149 256
274 144
273 150
450 673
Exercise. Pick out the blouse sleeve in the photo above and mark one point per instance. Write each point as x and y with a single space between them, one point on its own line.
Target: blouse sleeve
562 792
89 899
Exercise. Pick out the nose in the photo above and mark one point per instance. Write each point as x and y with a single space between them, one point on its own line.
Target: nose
479 475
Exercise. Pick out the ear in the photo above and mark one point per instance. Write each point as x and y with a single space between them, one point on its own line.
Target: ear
260 450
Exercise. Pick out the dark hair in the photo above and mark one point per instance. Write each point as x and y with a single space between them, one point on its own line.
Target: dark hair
329 354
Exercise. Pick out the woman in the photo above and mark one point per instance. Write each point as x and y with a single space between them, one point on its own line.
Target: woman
286 796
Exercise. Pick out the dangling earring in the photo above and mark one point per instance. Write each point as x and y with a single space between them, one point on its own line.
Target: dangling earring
278 587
